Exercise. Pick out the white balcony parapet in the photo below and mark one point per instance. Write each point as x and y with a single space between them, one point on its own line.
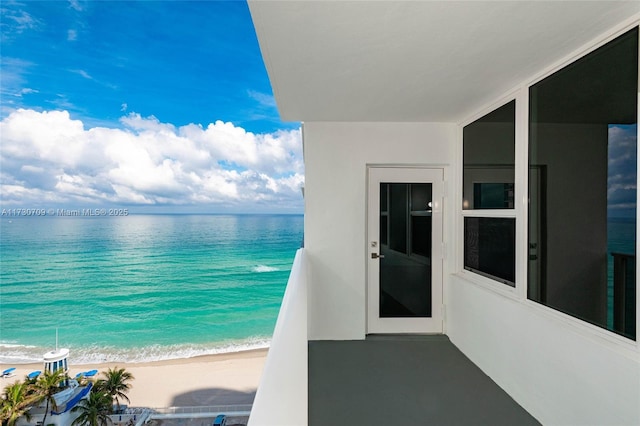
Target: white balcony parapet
281 399
200 411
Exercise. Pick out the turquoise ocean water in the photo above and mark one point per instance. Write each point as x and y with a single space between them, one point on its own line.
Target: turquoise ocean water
151 287
142 287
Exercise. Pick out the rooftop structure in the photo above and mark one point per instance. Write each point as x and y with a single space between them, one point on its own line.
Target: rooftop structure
70 394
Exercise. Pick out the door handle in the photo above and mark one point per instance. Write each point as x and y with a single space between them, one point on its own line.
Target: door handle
377 256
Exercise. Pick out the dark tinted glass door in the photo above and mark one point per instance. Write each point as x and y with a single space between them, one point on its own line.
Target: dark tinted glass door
406 246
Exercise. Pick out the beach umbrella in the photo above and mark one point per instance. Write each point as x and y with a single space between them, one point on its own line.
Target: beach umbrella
89 373
8 371
34 374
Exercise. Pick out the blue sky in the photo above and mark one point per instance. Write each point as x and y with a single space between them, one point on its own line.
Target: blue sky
622 166
161 105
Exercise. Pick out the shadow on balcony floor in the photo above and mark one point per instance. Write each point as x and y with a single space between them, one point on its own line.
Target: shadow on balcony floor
403 380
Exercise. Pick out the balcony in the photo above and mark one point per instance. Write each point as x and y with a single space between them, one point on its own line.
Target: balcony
398 380
403 380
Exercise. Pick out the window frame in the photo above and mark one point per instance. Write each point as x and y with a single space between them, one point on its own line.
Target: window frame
512 213
518 293
592 47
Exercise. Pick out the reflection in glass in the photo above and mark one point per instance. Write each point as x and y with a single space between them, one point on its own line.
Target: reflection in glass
421 219
492 195
405 270
582 187
384 213
398 209
488 157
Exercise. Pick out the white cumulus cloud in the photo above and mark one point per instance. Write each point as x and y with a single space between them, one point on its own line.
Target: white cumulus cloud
49 157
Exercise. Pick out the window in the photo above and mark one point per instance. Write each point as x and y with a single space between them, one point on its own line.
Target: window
488 190
489 247
582 187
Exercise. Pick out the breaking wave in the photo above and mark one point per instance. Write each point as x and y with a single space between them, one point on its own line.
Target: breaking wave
264 268
23 354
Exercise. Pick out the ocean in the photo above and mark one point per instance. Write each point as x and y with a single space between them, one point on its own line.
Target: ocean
142 287
152 287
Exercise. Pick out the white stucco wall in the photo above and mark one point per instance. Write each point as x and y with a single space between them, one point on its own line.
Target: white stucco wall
281 398
562 375
336 156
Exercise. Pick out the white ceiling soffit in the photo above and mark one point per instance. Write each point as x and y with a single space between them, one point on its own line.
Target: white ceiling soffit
435 61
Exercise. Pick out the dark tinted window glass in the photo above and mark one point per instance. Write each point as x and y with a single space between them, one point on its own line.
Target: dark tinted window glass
488 156
421 219
489 247
398 209
421 235
405 267
384 213
582 187
420 197
492 195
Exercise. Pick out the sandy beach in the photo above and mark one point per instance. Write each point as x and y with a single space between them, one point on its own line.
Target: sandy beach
223 379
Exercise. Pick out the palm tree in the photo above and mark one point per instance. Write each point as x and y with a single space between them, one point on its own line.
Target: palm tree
47 385
116 384
94 410
16 401
84 381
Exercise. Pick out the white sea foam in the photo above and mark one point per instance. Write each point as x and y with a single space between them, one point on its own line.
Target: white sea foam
17 354
20 354
14 345
264 268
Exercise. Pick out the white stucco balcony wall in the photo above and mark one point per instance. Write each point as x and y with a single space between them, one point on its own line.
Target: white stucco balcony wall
281 399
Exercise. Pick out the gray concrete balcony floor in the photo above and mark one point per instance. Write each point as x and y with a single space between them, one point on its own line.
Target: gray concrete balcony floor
403 380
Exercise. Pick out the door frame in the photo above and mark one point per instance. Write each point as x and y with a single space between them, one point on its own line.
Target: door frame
377 174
